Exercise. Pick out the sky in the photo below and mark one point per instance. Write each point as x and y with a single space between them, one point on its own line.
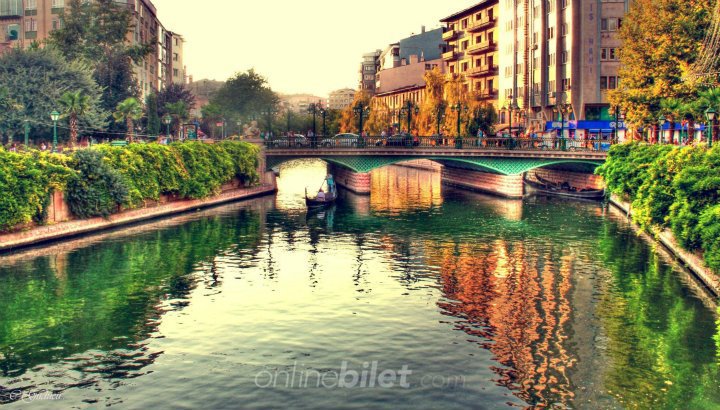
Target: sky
310 46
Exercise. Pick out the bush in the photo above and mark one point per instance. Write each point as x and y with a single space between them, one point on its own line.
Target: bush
27 182
100 180
710 228
97 189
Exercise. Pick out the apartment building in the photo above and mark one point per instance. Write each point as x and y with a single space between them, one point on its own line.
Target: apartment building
24 21
339 99
473 50
561 54
178 67
398 85
368 68
540 55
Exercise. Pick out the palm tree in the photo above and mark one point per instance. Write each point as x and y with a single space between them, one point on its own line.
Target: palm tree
178 110
672 108
709 98
74 105
129 110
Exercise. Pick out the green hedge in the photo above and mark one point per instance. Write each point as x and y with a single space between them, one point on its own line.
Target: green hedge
26 184
101 180
671 187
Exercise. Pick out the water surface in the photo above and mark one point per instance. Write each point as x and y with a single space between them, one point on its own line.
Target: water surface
479 302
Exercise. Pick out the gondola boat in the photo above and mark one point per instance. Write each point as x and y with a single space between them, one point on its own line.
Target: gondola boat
545 187
329 195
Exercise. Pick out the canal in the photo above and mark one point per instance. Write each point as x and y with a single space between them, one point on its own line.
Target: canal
419 296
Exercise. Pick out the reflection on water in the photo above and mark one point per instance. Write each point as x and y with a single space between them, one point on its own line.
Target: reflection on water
501 303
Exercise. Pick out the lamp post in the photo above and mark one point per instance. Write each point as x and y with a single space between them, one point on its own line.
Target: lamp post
440 116
619 116
710 115
268 113
54 116
661 124
360 111
323 114
408 109
562 108
459 109
167 119
313 109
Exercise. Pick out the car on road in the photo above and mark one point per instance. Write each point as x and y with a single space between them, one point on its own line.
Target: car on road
399 140
341 140
285 141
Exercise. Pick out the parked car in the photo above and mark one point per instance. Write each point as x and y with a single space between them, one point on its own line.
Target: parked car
399 140
341 140
285 141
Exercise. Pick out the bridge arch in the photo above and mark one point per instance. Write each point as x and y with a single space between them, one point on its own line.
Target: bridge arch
502 166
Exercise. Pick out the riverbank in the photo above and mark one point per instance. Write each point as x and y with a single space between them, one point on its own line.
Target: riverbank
694 263
75 227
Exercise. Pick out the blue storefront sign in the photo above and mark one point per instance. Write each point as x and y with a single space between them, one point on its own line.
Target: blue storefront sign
598 126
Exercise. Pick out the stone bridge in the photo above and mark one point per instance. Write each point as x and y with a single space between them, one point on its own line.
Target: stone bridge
498 168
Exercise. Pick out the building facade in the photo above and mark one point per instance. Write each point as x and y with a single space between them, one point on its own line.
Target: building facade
540 55
23 22
472 50
178 65
340 99
398 85
368 68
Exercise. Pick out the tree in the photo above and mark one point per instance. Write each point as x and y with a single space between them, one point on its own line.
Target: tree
179 111
74 105
244 95
174 93
661 41
38 78
129 111
153 118
379 117
434 91
348 120
96 32
211 114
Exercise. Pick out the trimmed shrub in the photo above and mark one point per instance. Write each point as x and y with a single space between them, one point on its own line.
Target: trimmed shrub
97 189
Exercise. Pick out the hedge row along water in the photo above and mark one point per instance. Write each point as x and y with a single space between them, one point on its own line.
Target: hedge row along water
671 187
101 180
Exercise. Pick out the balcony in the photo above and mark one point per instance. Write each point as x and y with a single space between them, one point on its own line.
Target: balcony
483 71
482 47
487 95
478 25
449 35
449 56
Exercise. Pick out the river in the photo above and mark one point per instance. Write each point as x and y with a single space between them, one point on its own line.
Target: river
419 296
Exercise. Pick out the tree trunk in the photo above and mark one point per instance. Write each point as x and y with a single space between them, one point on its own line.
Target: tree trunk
130 129
73 130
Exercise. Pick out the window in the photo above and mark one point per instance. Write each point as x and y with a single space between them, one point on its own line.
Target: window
464 23
30 25
55 24
610 24
30 4
464 45
566 84
10 7
175 56
563 57
551 32
58 4
563 29
176 72
608 83
464 67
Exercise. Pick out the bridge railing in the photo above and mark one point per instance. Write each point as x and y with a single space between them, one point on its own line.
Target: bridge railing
434 142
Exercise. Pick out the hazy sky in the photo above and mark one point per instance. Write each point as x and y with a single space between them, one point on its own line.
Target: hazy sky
310 46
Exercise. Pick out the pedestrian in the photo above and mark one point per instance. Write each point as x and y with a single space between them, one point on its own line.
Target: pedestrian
43 146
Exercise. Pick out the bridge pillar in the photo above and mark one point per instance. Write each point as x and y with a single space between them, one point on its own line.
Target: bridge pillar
574 178
358 182
507 186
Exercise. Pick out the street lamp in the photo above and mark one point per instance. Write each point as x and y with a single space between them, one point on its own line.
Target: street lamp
167 119
323 114
562 108
459 109
361 110
268 113
54 116
661 123
313 109
619 116
710 115
440 116
408 109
